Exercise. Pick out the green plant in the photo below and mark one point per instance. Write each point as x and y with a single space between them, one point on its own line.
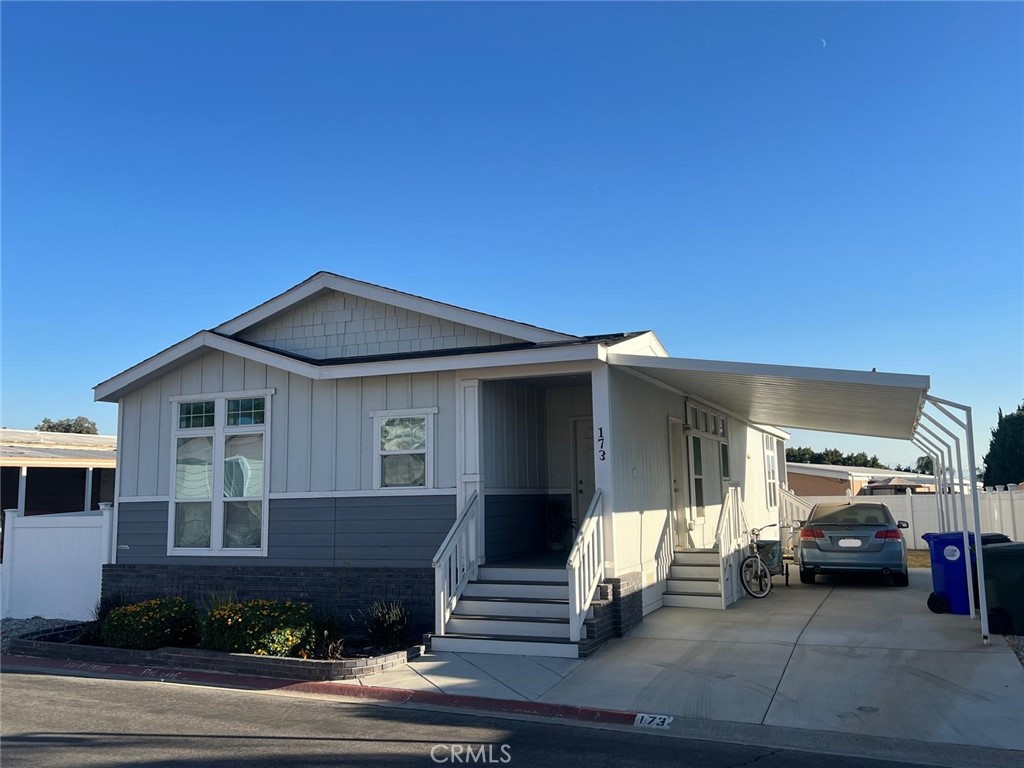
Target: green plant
262 627
214 600
328 642
388 625
164 621
92 632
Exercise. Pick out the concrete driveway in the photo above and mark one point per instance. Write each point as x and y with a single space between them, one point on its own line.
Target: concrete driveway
853 657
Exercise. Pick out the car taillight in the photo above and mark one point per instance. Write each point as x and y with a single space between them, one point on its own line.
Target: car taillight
888 534
812 533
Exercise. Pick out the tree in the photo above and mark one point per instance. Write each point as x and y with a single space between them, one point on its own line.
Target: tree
833 456
79 426
1004 462
924 466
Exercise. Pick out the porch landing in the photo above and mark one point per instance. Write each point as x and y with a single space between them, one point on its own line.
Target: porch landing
538 560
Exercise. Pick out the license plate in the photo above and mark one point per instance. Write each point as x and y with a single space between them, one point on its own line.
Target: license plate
849 542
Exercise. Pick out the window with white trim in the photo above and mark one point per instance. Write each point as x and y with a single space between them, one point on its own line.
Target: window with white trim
218 477
405 448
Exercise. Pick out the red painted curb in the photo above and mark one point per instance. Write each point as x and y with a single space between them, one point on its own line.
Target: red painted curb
347 690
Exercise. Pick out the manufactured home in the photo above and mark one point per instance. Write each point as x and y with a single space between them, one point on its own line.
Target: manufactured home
521 490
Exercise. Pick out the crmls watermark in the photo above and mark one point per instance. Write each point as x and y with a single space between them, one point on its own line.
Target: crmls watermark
471 753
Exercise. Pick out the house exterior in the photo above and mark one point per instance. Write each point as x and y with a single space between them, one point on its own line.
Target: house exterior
835 480
344 441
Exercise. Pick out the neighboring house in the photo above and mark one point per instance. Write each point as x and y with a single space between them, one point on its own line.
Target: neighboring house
836 480
343 442
46 472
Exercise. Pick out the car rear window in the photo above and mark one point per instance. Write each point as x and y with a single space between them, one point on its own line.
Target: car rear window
852 514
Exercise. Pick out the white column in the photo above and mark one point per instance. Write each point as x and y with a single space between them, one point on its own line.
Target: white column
22 485
469 459
604 452
88 489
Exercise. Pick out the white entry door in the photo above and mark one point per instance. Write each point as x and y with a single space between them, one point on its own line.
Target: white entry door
680 510
583 463
705 489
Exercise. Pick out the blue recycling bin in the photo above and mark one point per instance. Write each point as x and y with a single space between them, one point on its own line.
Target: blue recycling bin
949 577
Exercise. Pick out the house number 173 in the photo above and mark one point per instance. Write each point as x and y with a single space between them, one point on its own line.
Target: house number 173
601 453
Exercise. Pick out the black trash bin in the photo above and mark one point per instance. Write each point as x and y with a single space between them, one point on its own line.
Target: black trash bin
986 539
1004 587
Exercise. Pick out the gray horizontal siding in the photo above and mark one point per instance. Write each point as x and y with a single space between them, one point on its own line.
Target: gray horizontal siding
371 531
354 532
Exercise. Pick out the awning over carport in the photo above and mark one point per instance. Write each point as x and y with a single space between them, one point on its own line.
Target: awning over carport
822 399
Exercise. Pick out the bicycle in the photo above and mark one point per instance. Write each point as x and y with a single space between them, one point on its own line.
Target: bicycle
763 562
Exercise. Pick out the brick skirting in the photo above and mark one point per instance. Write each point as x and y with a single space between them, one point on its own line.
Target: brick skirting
57 645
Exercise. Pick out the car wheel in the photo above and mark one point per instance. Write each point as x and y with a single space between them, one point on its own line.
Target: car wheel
901 579
938 603
806 577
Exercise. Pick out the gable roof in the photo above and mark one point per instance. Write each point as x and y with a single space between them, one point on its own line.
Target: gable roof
225 337
323 282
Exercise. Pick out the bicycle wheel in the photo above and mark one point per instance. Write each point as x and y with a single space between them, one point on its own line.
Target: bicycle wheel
755 577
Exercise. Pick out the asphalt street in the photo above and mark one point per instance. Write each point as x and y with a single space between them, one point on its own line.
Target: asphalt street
51 721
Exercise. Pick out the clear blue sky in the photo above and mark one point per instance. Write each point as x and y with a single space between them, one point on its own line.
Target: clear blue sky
718 174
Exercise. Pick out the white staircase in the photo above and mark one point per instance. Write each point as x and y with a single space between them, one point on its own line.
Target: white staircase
695 580
511 611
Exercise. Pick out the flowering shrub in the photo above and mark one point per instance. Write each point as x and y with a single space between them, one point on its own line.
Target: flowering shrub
159 623
263 627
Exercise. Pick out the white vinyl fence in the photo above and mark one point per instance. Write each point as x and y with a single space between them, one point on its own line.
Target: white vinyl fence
53 563
1001 512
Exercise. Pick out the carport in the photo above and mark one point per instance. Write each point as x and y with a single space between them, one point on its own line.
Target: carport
865 403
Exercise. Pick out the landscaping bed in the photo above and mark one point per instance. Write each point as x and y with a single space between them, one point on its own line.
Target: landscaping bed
62 643
271 638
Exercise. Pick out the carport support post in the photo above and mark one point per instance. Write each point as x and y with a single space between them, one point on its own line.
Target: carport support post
939 513
968 427
968 568
936 456
960 474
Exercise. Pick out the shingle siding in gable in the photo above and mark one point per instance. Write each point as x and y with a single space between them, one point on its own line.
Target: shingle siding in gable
341 325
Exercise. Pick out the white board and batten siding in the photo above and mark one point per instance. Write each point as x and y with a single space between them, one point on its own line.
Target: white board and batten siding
321 433
642 476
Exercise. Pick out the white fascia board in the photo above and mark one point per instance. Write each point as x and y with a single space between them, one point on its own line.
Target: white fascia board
517 357
109 390
831 375
58 463
773 431
112 389
328 281
644 344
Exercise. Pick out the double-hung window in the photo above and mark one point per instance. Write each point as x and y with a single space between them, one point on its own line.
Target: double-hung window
404 440
218 489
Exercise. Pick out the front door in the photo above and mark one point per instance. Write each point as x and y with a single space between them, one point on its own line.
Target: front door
680 512
583 463
705 489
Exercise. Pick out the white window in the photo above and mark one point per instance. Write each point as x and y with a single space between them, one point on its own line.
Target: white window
218 472
405 448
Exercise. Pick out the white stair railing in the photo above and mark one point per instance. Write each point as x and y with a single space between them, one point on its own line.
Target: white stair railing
731 537
585 565
791 509
455 563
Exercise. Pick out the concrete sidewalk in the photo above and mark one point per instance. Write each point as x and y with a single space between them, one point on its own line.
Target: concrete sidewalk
840 656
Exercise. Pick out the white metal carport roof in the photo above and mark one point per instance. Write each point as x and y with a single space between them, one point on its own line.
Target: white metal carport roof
832 400
823 399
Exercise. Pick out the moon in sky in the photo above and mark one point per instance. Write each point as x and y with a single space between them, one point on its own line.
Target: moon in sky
823 43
